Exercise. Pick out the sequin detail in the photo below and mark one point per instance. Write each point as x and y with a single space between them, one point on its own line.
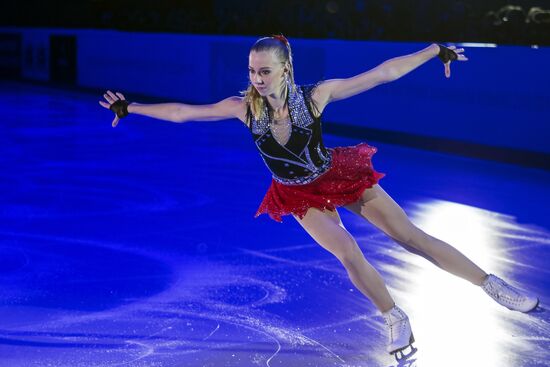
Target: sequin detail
317 172
303 151
350 173
299 115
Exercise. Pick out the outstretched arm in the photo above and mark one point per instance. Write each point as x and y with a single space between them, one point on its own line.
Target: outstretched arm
232 107
390 70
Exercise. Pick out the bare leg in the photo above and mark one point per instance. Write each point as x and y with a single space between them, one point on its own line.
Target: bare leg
327 229
381 210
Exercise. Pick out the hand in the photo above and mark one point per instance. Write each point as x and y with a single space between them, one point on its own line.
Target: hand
116 103
448 54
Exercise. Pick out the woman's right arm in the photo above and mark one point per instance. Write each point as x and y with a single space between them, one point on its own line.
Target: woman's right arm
232 107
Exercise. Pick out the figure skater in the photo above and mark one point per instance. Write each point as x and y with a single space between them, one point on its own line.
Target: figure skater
309 181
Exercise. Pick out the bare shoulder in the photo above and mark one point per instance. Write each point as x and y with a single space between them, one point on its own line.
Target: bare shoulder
236 106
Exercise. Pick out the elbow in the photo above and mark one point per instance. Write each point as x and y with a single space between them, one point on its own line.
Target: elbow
179 115
178 119
388 73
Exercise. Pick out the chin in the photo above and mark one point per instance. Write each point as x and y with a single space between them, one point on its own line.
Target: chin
263 92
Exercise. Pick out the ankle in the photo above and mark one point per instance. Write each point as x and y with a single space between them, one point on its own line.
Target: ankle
483 280
394 315
387 309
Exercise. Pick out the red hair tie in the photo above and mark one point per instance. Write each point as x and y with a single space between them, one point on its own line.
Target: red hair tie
281 38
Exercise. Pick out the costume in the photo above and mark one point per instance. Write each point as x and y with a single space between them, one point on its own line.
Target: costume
304 173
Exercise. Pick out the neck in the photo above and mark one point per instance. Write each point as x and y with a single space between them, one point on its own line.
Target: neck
277 101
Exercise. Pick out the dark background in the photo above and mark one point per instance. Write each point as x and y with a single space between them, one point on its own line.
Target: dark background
503 22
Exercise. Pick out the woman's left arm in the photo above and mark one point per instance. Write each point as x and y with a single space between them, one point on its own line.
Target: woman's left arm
390 70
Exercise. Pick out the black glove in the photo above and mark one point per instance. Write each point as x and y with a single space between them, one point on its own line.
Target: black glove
120 107
446 54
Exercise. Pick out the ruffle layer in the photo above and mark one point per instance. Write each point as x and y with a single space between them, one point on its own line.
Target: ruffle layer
350 173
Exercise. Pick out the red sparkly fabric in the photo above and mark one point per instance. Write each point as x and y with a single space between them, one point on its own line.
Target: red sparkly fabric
350 173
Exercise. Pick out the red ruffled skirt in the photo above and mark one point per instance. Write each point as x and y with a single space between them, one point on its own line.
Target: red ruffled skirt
350 173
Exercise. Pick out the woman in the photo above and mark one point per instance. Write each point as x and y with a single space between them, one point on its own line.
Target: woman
311 181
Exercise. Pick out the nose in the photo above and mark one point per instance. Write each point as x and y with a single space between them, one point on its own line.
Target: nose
256 79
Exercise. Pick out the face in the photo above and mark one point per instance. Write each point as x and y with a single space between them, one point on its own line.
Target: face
266 72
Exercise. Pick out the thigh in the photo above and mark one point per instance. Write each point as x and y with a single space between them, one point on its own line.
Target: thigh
380 209
326 228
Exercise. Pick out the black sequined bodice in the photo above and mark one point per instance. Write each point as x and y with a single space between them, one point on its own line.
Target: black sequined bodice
304 157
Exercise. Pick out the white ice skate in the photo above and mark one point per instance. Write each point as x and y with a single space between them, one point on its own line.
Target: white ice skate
400 335
508 296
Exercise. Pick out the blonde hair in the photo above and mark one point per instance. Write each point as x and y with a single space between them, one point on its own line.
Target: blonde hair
281 47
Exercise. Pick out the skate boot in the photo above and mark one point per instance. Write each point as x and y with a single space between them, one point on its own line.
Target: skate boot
508 296
399 333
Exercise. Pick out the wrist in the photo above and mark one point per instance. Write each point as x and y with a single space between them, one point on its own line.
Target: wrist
132 107
435 49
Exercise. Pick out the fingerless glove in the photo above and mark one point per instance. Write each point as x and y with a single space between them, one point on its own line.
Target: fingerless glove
446 54
120 107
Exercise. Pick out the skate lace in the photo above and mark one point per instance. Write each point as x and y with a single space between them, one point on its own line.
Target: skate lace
394 317
397 324
396 330
500 290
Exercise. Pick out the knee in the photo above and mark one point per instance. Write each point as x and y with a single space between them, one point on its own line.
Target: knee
348 252
410 236
402 235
